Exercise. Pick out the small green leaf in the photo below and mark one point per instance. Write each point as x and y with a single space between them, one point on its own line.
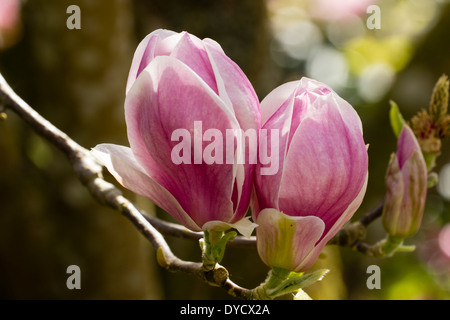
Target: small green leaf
293 284
218 249
396 118
430 159
432 179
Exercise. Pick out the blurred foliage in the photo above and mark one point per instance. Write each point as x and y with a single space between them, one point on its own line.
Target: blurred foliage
76 79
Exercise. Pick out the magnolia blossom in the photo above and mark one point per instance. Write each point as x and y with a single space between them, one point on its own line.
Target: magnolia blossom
406 184
322 178
176 80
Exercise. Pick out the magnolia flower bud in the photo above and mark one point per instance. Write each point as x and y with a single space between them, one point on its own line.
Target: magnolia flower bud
406 184
179 83
322 178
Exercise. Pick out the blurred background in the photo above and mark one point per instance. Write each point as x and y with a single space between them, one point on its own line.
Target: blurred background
76 79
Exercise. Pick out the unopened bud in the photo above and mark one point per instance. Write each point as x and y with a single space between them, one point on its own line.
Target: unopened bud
406 187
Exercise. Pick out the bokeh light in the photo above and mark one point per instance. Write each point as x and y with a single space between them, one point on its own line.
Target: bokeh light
330 40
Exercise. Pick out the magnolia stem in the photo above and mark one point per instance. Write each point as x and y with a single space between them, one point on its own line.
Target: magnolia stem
207 244
372 215
275 277
384 248
179 231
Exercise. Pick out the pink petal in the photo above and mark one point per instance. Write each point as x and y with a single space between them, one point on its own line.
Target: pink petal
212 43
346 215
235 88
238 94
167 96
325 167
279 95
414 173
406 144
145 53
167 44
191 51
395 189
275 99
286 242
121 163
341 221
267 187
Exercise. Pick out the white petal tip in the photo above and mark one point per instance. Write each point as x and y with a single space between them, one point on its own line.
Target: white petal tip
243 226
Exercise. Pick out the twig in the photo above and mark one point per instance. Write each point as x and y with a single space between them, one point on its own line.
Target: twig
176 230
237 291
352 234
372 215
90 174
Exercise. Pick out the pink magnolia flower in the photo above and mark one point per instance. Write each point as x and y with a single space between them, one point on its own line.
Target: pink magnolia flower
177 80
322 178
406 185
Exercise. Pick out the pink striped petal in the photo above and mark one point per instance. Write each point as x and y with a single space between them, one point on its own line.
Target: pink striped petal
167 96
267 187
145 53
235 88
284 241
238 94
122 164
327 235
276 98
325 167
406 144
191 51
